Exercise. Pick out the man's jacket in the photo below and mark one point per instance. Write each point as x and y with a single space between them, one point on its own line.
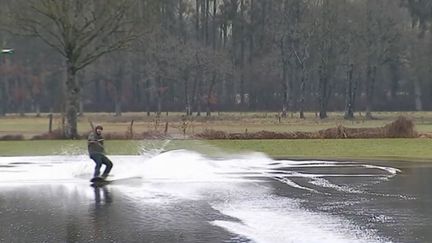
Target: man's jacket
95 146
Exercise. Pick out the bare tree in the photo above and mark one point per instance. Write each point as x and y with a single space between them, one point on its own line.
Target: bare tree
380 35
81 31
328 39
420 48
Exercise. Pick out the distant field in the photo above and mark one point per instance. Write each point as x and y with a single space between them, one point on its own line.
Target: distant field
30 125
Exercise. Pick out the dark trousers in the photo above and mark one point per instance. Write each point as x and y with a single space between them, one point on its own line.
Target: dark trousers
101 159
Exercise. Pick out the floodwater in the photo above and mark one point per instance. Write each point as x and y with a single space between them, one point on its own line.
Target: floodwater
184 196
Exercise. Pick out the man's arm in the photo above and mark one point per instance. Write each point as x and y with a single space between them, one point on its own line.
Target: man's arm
92 139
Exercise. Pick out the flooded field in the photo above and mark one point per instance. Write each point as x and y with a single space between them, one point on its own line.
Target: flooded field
184 196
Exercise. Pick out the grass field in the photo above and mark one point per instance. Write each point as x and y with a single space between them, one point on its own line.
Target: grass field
417 149
30 125
411 149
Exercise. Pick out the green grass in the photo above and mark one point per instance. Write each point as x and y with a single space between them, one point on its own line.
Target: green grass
331 149
62 147
337 149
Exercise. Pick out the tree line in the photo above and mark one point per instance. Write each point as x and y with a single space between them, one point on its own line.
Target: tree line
200 56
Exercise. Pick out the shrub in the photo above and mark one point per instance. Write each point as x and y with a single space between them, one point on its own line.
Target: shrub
11 137
211 134
55 134
401 128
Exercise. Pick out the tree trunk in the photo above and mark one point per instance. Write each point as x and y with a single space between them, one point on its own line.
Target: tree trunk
210 94
72 97
4 87
118 85
370 85
285 81
188 108
20 99
302 91
3 97
349 95
224 35
21 107
197 20
118 105
198 99
194 92
242 54
203 21
81 108
417 96
148 100
206 21
159 96
214 27
117 100
37 109
224 98
323 93
394 78
181 28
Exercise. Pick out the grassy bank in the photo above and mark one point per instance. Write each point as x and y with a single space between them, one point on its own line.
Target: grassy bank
331 149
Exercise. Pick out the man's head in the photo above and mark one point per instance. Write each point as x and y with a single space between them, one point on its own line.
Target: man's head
98 129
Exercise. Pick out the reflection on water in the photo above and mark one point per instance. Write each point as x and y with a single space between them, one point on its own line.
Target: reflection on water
183 196
102 196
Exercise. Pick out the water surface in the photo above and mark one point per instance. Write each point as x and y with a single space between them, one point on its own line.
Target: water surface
184 196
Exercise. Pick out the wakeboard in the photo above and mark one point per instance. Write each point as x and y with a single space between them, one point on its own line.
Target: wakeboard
99 181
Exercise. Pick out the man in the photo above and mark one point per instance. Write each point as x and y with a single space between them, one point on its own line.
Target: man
97 152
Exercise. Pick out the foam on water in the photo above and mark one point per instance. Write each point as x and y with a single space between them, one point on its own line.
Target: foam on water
238 186
262 218
295 185
327 184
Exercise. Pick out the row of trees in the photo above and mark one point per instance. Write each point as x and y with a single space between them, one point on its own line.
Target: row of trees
200 55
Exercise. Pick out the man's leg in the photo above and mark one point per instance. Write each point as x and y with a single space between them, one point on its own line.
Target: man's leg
108 165
98 160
